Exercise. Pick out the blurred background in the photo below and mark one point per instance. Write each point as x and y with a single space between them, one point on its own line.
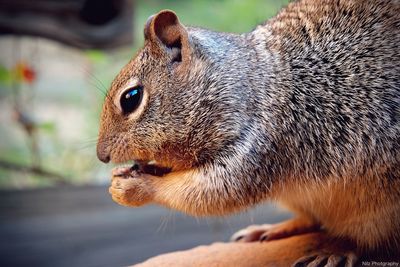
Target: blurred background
57 60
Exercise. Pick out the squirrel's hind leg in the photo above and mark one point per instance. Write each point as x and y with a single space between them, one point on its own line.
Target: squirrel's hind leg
267 232
328 252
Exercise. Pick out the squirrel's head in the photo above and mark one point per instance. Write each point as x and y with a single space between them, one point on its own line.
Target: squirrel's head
170 103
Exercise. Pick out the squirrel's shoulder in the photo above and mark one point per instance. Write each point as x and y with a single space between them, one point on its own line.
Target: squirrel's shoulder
309 21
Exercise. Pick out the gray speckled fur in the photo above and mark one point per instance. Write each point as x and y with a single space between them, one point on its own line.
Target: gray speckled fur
306 99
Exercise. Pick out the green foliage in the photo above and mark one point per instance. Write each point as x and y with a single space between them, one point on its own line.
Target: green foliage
48 127
5 76
221 15
96 56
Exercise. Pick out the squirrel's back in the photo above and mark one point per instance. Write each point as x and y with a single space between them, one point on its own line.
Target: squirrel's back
337 84
336 91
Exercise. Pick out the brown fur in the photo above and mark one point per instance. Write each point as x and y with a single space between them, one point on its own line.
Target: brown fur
341 209
303 110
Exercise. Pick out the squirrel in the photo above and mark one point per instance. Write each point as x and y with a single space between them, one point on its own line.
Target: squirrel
304 110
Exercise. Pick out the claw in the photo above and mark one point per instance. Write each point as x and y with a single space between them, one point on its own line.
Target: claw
268 232
327 260
334 260
351 260
319 261
302 262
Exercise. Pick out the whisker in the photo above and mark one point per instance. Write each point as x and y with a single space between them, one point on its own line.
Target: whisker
85 144
89 140
101 84
91 146
95 82
165 220
98 84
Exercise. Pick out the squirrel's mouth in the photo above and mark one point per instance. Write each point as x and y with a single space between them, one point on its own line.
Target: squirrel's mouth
148 167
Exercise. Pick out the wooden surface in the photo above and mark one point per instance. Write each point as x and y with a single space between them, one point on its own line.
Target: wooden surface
81 226
280 253
275 253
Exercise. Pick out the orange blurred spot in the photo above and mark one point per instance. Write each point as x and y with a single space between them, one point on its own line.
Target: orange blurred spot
24 73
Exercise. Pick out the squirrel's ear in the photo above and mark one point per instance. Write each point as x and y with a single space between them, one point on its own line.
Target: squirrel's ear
164 31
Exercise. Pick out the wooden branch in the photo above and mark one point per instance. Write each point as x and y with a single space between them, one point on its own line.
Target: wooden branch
283 252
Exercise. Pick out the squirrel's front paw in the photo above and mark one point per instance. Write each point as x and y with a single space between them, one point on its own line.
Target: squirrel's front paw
130 187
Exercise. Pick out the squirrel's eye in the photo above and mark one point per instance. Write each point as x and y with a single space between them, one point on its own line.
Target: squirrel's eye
130 99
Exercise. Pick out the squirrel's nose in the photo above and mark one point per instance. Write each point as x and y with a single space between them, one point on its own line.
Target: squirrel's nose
102 152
